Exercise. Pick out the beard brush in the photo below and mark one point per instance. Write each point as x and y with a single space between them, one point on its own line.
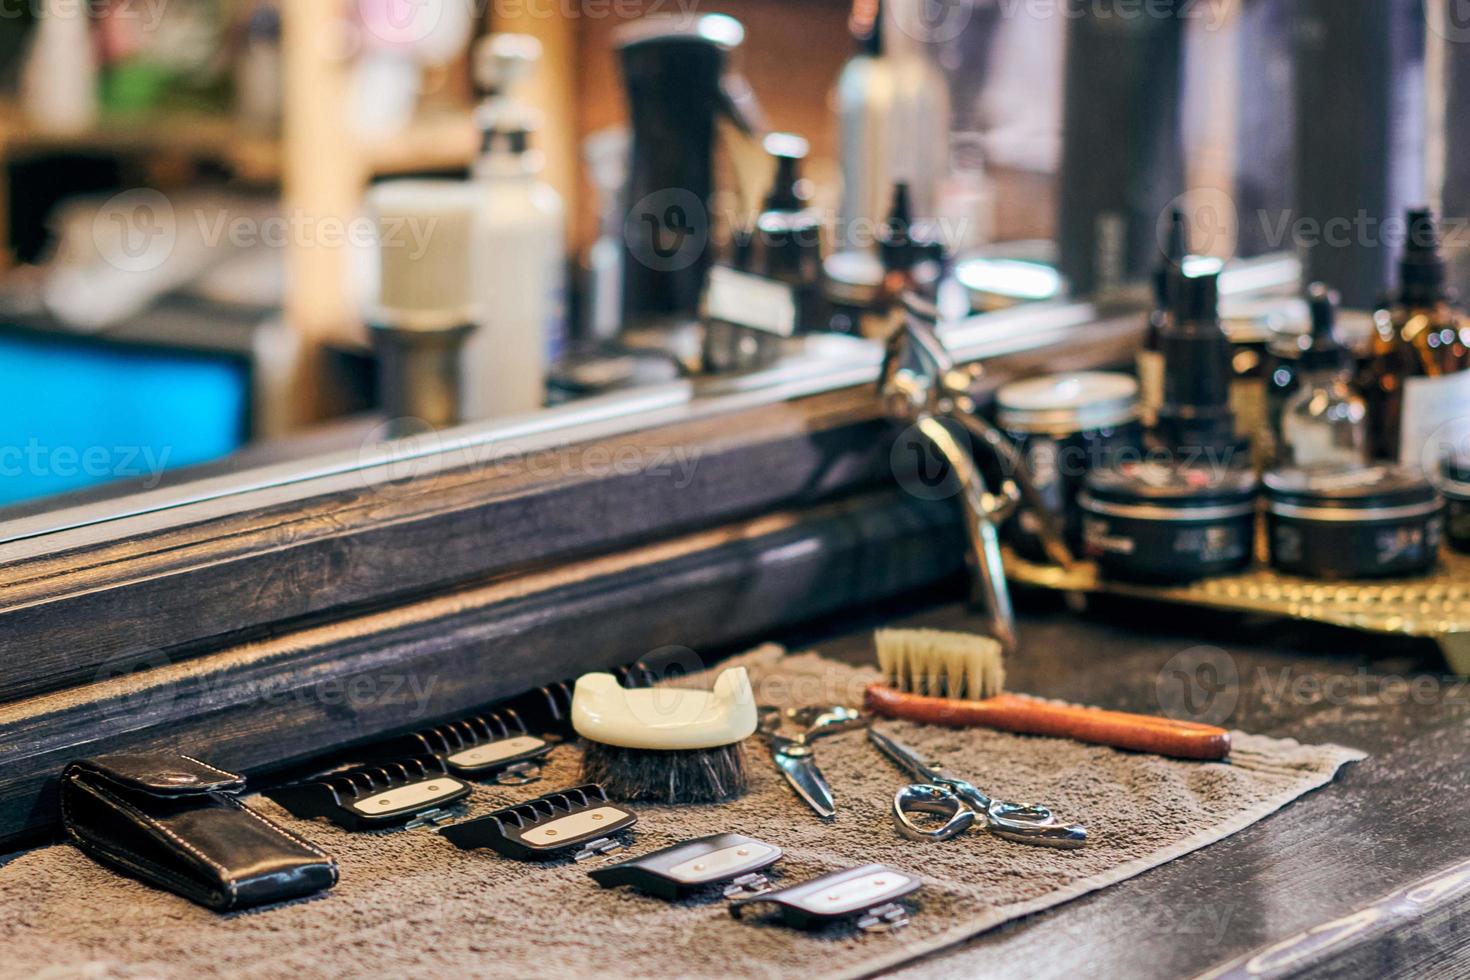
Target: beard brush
663 744
958 679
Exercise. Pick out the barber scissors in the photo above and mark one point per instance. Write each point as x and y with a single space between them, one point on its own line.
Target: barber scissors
939 794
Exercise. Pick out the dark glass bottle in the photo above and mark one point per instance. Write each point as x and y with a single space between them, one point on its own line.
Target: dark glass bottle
1323 423
1195 420
1149 362
1415 377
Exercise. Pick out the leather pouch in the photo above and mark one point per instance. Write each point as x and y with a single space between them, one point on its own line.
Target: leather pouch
173 822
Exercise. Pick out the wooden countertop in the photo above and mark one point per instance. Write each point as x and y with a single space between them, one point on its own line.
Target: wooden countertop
1388 823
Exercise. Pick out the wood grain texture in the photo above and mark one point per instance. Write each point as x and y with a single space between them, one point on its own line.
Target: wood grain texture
274 702
81 616
220 573
1033 716
1385 824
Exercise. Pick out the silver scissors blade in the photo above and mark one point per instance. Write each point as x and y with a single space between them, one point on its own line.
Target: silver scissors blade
904 757
802 773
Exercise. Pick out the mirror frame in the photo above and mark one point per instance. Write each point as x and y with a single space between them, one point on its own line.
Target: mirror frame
212 623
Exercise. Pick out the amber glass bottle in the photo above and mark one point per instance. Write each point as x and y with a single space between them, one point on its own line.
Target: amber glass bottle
1417 376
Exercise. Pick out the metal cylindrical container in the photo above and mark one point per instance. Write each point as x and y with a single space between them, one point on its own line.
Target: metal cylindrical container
1455 486
1371 522
420 370
1065 426
1165 524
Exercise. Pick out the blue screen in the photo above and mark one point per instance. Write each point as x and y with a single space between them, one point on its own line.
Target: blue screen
76 413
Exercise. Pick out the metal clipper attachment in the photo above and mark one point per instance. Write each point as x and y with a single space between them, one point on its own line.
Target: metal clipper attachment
548 826
412 792
921 384
868 896
695 864
494 745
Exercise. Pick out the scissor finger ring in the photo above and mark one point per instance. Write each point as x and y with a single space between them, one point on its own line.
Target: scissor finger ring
935 800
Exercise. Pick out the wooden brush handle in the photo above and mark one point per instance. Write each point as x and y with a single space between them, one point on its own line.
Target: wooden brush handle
1033 716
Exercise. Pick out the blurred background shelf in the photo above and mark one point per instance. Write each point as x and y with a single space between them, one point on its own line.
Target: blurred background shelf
437 140
252 157
440 139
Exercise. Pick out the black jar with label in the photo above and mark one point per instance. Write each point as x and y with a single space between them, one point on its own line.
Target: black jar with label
1162 523
1455 485
1065 426
1364 522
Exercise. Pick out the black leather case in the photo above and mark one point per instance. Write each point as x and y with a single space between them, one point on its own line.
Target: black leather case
170 820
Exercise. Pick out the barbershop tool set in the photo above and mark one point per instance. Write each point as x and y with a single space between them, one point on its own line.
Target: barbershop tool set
179 824
1319 475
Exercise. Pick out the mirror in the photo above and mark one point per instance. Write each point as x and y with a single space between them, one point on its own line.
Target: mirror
246 233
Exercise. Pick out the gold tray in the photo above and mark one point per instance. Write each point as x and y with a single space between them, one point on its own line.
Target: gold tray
1436 606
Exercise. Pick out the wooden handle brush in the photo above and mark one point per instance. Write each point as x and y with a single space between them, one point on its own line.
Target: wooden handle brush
958 679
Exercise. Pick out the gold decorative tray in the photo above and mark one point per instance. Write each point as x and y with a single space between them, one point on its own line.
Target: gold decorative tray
1436 606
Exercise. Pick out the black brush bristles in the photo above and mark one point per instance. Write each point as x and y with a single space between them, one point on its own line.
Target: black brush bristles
714 775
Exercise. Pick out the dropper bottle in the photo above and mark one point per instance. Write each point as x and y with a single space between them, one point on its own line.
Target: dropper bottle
1417 378
1325 423
1149 361
1195 422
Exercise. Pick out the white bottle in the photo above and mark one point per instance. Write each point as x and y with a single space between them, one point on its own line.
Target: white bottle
59 80
520 266
893 115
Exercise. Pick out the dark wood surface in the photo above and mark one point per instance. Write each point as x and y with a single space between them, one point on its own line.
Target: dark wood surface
1339 853
1386 823
277 701
102 600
